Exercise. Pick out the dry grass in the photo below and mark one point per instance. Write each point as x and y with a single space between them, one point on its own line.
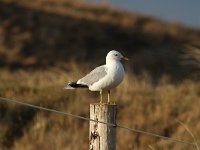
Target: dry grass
141 105
191 134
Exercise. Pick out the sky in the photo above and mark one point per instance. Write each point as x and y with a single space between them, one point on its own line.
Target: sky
186 12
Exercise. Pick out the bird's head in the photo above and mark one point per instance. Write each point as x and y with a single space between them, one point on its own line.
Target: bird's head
115 55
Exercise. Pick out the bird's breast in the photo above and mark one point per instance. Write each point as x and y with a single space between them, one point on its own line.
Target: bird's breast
114 77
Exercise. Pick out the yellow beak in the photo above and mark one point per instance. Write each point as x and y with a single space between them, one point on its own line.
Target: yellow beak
125 58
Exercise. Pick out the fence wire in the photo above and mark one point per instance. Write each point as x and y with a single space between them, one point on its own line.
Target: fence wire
106 123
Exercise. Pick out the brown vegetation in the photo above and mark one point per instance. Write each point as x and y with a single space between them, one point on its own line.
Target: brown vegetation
141 105
44 44
34 33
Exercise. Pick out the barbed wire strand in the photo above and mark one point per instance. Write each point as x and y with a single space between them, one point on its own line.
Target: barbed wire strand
106 123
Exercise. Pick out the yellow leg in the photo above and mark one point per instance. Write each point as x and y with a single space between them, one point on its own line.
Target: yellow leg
101 96
108 96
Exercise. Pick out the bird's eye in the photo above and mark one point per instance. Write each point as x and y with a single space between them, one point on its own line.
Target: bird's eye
116 55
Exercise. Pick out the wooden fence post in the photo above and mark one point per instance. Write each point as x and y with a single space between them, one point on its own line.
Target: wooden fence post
102 136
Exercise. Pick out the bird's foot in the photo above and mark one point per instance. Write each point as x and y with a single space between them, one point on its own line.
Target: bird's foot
101 101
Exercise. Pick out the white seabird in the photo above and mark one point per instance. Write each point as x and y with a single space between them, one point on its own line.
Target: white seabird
103 78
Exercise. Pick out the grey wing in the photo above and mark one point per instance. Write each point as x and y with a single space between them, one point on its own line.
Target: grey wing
94 76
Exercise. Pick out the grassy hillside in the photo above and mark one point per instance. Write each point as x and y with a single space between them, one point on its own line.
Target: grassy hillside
34 33
44 44
141 105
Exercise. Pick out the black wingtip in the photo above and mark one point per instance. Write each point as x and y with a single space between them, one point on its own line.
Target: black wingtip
76 85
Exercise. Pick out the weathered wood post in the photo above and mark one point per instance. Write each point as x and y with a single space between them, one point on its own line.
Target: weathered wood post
102 136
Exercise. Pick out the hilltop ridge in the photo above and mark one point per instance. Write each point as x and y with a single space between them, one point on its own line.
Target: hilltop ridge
34 33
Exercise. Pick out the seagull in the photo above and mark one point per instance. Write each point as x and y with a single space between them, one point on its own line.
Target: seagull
103 78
